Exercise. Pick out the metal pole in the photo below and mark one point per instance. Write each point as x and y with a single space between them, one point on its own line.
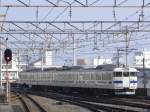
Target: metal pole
74 59
1 84
144 70
118 57
18 62
126 40
7 78
0 62
42 60
26 62
86 2
7 83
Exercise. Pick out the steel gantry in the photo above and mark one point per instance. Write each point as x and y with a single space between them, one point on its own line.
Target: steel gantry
66 29
75 4
75 27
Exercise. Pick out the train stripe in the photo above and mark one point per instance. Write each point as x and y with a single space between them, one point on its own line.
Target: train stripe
117 81
133 81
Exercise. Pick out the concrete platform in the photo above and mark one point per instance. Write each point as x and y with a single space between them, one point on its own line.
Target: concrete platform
10 108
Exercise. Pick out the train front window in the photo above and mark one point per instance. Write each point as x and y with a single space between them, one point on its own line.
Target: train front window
126 74
133 74
117 74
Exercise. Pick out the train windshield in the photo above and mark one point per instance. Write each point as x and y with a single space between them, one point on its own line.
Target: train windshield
117 74
126 74
133 74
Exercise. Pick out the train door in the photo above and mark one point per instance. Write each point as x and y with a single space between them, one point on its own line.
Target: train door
126 79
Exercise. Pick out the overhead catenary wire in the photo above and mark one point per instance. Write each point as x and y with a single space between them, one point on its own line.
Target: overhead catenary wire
82 38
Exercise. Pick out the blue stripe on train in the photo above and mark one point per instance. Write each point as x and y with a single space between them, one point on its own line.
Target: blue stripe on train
122 81
117 81
133 81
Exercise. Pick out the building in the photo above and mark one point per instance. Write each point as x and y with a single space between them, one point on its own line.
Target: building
142 58
44 62
82 62
101 61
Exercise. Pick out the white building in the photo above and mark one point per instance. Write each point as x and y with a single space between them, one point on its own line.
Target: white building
44 62
140 57
101 61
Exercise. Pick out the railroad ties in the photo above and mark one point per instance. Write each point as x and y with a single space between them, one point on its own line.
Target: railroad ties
36 101
24 102
98 104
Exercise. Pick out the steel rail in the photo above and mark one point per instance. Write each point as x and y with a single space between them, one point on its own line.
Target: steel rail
80 102
25 105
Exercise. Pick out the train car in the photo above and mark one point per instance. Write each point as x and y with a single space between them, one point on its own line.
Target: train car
100 80
125 80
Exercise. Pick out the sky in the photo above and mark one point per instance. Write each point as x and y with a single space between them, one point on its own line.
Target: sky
106 45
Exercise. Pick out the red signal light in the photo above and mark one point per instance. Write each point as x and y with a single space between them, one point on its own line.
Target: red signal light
8 55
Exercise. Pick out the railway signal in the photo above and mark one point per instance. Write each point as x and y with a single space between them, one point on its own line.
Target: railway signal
8 55
8 58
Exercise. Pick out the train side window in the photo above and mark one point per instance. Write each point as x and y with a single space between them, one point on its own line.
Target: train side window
118 74
125 74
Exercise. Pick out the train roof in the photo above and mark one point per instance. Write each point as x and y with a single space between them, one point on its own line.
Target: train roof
122 69
106 67
63 68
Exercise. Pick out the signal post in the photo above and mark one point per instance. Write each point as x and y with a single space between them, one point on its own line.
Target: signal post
8 58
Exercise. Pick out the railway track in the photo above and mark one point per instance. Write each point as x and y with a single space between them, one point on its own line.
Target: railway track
133 102
140 103
29 104
94 107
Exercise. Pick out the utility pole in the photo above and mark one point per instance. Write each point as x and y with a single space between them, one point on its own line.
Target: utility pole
7 83
86 2
126 51
126 47
7 78
74 55
8 58
118 57
1 84
18 62
42 57
42 60
144 70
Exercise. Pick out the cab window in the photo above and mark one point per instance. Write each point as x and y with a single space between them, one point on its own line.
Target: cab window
117 74
125 74
133 73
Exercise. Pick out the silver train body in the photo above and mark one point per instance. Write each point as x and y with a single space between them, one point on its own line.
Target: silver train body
119 80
